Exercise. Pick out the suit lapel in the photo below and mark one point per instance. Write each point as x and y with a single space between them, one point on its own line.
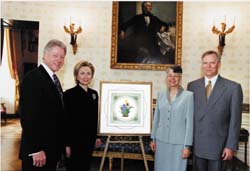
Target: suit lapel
217 92
49 81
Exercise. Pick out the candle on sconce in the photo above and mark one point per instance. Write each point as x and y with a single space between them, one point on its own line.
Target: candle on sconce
224 20
213 22
234 21
79 22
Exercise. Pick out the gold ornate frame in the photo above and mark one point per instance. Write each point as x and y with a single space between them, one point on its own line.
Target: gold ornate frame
143 66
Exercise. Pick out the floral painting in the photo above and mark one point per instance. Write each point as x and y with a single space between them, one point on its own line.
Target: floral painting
125 108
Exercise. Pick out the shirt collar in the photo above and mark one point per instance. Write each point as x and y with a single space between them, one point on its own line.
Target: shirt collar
49 71
180 90
213 80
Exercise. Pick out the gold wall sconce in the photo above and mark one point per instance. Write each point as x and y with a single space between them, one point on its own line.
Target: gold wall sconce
73 35
222 35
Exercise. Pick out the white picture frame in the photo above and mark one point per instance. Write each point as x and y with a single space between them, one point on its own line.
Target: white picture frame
125 108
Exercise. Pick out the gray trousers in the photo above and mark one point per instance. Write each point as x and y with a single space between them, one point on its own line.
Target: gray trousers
200 164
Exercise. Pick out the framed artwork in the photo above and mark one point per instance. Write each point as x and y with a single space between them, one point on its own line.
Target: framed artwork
146 35
126 108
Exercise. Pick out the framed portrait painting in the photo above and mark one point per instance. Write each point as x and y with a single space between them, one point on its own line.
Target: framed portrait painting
126 108
146 35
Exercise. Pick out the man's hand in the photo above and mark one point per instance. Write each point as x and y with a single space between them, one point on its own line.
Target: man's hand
39 159
122 35
227 154
162 29
152 146
98 142
68 151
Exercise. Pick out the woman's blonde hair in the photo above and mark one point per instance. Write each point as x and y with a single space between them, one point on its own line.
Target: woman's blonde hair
78 66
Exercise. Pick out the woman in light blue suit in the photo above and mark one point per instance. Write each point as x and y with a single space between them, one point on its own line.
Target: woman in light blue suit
172 132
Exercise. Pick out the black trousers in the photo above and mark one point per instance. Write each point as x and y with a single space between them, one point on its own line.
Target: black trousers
27 165
81 155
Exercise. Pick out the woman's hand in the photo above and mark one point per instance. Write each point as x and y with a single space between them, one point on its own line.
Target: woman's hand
186 153
98 142
152 146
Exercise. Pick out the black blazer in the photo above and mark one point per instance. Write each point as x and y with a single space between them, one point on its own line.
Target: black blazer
42 115
82 115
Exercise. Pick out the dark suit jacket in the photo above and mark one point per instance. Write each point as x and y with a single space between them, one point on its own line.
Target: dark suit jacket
217 121
82 115
145 36
42 115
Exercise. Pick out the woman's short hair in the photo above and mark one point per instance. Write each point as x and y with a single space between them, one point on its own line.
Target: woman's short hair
52 43
176 69
80 64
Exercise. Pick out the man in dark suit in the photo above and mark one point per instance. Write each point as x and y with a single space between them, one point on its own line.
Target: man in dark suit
217 115
144 38
41 112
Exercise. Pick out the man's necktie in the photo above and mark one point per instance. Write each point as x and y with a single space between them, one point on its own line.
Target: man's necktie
208 89
58 86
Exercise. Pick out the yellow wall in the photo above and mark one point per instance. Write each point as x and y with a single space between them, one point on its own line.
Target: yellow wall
95 41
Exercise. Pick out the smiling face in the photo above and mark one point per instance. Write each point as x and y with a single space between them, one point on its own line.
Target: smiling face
54 58
173 79
210 65
84 76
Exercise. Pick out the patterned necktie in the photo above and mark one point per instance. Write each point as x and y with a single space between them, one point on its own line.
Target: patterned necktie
208 89
58 86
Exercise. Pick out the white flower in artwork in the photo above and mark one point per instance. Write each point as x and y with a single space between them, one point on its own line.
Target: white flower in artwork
94 96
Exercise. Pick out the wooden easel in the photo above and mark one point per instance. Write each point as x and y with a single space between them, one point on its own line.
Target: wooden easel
122 159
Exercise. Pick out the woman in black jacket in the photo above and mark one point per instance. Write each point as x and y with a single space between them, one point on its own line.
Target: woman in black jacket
81 105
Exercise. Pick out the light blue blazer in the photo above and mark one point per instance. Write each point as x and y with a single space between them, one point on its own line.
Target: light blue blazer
173 121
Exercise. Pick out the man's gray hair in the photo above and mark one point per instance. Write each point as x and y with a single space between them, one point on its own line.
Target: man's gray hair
209 52
52 43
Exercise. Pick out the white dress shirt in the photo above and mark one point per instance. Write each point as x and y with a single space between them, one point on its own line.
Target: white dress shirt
49 71
213 80
147 20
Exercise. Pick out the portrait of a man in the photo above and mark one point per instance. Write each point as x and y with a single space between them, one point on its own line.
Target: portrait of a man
146 33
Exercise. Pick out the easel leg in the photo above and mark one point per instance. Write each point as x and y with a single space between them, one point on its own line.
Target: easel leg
122 159
143 154
104 154
110 163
